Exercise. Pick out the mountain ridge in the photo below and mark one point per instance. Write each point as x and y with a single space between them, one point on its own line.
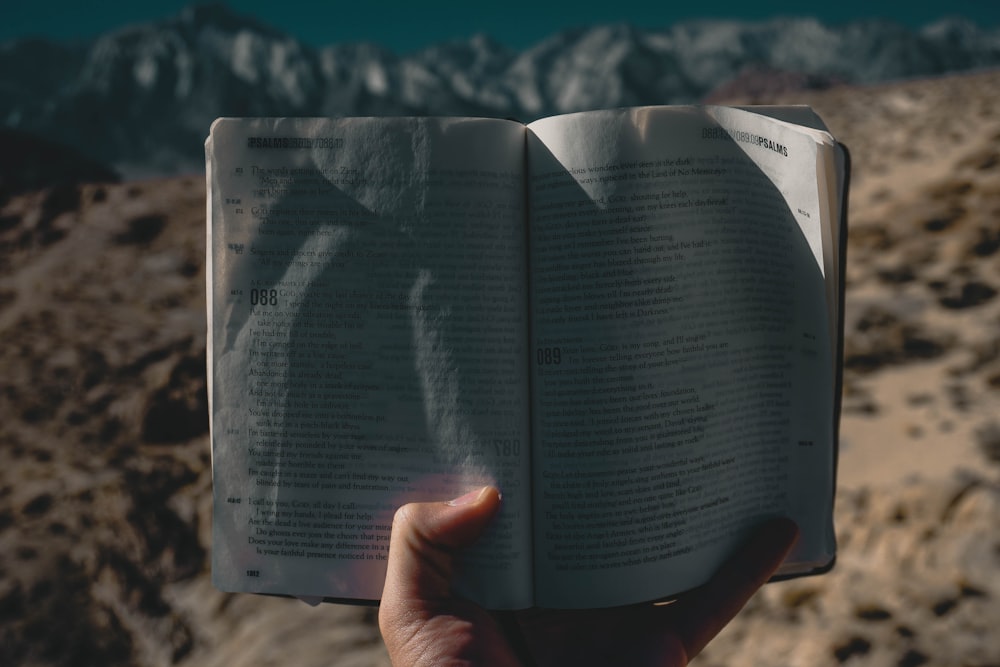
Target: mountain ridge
141 98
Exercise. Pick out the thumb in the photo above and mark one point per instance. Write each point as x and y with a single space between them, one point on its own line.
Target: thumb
426 538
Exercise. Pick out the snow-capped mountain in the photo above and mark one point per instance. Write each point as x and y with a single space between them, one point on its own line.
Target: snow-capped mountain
142 98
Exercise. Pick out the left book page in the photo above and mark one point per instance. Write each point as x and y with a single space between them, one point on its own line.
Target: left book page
366 299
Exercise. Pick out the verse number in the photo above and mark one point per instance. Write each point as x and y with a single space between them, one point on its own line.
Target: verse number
263 297
507 446
548 356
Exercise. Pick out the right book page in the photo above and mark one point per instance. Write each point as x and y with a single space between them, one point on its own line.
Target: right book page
683 370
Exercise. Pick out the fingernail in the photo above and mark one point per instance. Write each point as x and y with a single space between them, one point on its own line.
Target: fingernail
468 498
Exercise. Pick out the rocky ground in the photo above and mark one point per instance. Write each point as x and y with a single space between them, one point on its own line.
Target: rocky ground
918 515
105 489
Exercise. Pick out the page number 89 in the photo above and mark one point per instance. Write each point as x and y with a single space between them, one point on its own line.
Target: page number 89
548 356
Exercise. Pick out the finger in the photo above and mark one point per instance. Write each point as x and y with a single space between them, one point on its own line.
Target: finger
425 540
421 622
702 615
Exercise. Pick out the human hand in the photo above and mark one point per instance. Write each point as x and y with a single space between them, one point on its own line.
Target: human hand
423 623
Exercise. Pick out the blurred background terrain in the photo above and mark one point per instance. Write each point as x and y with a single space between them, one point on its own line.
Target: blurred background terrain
105 483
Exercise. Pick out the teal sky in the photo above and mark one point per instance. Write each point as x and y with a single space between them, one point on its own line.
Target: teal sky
405 26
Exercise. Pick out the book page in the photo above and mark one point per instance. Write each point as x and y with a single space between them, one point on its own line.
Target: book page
682 369
832 172
815 198
368 336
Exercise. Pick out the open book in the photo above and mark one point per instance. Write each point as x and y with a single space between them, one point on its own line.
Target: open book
627 320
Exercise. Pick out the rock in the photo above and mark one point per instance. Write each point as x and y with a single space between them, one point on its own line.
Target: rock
105 479
32 163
